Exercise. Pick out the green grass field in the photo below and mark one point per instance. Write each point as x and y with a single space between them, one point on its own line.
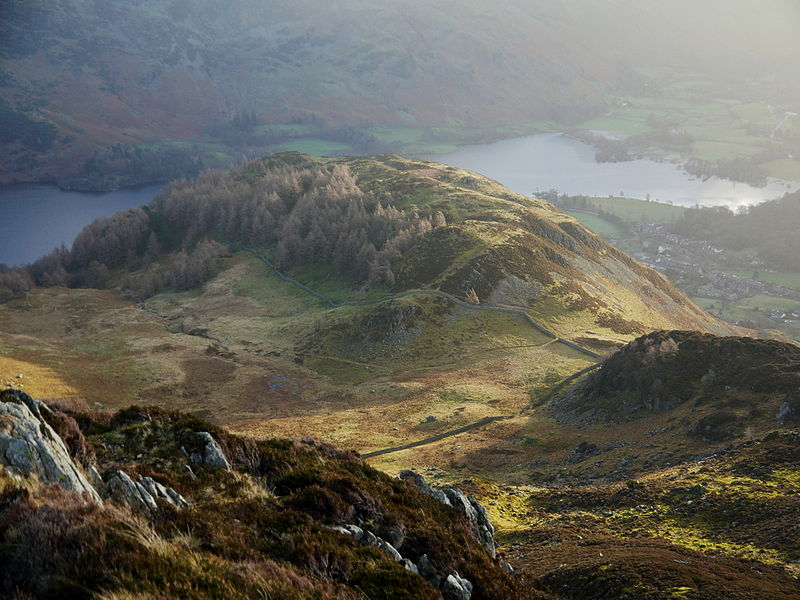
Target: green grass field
635 210
315 147
597 224
723 128
786 279
749 312
766 302
784 168
625 121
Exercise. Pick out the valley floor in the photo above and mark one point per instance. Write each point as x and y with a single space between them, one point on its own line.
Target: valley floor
569 500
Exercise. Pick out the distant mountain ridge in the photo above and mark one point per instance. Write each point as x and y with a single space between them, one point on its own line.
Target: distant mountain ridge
81 77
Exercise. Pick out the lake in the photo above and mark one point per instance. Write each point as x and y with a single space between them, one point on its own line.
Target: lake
35 219
554 161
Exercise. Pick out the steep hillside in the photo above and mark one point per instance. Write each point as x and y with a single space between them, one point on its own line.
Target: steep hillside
144 502
384 225
108 94
665 370
391 347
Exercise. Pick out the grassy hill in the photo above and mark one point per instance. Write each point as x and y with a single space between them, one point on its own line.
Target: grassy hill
393 366
622 477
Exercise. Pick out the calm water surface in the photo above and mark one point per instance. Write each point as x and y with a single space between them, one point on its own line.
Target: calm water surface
34 219
554 161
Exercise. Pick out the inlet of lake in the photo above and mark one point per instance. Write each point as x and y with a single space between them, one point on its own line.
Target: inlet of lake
554 161
34 219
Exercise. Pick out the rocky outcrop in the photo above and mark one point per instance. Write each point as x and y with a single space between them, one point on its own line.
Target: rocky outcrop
475 512
30 447
370 539
211 454
452 585
456 587
141 495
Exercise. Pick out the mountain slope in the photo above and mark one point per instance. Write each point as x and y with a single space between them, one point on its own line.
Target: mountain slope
384 363
174 79
191 511
513 250
394 225
667 398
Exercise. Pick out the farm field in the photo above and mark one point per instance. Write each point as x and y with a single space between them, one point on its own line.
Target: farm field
786 279
598 224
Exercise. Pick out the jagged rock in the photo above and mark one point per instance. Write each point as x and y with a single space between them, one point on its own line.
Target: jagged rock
419 481
212 454
141 496
583 451
476 513
29 446
158 490
387 547
123 489
355 531
94 477
410 566
369 539
455 587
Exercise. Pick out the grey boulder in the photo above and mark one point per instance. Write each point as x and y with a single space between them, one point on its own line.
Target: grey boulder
474 511
30 447
141 495
211 454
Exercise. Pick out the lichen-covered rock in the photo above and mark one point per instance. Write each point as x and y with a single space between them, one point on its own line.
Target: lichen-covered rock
30 447
141 495
455 587
370 539
476 513
121 488
211 454
409 566
158 490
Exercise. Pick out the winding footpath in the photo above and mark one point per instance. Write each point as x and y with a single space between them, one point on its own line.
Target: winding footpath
457 301
425 292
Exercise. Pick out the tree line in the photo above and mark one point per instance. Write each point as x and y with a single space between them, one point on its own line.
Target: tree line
771 228
304 214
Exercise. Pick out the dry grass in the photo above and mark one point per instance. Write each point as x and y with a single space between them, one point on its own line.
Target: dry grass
36 380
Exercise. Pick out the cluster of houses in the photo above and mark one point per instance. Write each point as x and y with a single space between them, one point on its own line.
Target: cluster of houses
702 269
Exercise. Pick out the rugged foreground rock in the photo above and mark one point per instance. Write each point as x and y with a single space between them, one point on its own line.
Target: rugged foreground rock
144 500
30 447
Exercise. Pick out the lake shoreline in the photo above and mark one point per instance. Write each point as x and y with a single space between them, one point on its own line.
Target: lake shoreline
37 218
534 164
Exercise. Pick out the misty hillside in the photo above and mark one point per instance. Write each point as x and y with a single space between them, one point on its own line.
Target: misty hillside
79 77
306 358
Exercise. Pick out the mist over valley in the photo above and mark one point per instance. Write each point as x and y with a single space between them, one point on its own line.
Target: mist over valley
399 300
